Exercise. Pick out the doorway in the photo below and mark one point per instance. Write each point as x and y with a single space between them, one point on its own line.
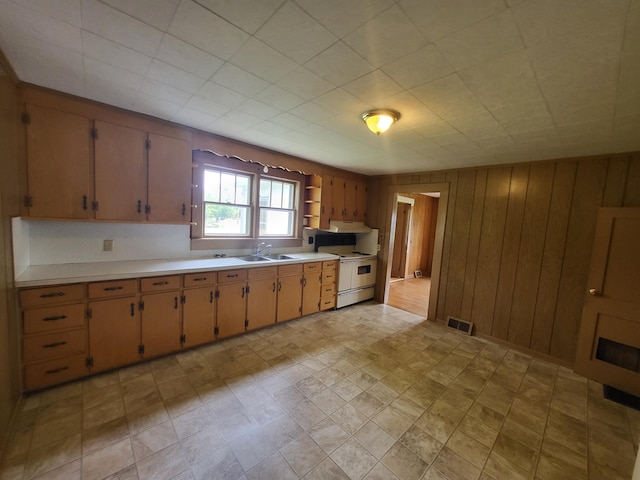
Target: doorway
415 241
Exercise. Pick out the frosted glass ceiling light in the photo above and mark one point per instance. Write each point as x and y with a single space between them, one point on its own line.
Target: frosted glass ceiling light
379 121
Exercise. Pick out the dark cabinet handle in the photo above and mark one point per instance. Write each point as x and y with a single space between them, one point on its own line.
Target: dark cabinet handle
274 286
279 286
53 319
84 202
242 292
200 279
113 289
133 309
52 295
184 209
304 282
53 345
175 302
157 284
139 207
210 297
232 276
56 370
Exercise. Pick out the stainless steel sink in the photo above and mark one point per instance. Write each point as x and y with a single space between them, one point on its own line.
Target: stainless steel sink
254 258
278 256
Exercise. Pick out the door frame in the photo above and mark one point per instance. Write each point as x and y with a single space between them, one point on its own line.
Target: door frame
407 232
393 191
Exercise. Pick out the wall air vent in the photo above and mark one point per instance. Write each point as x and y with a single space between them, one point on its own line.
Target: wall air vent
460 325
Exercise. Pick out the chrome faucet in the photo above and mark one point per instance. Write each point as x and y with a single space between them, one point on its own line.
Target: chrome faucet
262 246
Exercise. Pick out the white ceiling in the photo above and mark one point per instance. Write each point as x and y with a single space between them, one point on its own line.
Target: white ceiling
477 81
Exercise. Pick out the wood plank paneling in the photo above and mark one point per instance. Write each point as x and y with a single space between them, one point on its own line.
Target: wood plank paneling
632 190
452 179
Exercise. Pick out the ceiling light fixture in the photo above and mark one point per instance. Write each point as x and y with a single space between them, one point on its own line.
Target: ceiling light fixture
379 121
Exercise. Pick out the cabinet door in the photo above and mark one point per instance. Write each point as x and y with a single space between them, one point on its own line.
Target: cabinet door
169 173
231 309
338 194
198 316
361 202
261 303
114 333
289 297
326 202
161 327
350 192
311 284
120 173
58 164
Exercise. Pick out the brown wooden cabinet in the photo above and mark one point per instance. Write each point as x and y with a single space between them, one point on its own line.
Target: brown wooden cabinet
114 324
161 316
289 292
231 305
198 309
261 297
328 289
350 196
360 214
59 149
311 282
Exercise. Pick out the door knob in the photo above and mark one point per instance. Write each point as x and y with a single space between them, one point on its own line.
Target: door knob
593 292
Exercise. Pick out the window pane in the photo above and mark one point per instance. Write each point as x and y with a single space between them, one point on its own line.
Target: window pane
211 186
226 220
276 222
287 195
265 192
228 190
242 190
276 194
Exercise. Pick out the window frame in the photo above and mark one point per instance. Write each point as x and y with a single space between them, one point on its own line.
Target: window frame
256 171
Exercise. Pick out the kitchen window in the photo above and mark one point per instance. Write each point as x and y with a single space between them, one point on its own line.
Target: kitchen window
237 203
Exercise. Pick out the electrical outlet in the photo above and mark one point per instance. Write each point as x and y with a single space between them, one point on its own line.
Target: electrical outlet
107 246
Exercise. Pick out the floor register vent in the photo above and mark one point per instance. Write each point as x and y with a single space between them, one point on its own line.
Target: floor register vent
460 325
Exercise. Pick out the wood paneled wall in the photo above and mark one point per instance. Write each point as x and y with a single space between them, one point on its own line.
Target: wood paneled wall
517 243
420 251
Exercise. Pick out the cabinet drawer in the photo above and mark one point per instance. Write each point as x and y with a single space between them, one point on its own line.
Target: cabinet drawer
329 277
231 276
41 347
327 302
40 320
112 289
328 290
51 295
294 269
263 273
329 265
40 375
158 284
204 279
312 267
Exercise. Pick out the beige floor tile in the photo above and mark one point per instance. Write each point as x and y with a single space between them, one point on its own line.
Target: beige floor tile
514 430
56 430
438 426
455 467
392 422
327 469
328 401
499 467
70 471
466 447
99 395
567 431
374 439
559 462
166 463
108 460
102 436
404 463
152 440
53 455
421 443
303 454
328 435
478 430
353 459
148 417
517 453
273 468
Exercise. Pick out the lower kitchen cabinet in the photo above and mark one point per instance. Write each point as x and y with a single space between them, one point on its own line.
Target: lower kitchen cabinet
289 292
261 297
311 282
161 323
198 316
231 311
328 288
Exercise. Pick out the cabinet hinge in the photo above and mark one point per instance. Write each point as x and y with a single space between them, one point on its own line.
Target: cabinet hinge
141 305
88 314
26 118
217 293
141 349
216 330
183 338
183 299
247 290
246 324
89 362
147 209
28 201
94 205
93 133
147 144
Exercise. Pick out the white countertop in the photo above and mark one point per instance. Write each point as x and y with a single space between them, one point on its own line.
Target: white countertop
42 275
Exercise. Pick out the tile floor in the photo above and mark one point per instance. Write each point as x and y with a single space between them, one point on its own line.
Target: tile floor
368 392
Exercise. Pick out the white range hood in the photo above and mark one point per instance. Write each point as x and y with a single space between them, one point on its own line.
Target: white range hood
348 227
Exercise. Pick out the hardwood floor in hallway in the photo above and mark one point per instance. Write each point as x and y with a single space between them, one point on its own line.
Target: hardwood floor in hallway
410 294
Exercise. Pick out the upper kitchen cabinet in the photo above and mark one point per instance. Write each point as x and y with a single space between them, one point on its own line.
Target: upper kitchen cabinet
361 202
59 148
120 173
169 174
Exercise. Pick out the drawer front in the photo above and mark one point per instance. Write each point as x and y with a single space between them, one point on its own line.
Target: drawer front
263 273
51 295
327 302
328 290
41 347
116 288
312 267
52 372
329 265
159 284
329 276
231 276
40 320
204 279
293 269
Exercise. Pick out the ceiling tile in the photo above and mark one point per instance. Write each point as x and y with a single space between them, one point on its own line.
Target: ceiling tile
165 92
248 15
185 56
385 38
66 11
279 98
174 77
296 34
311 112
289 121
340 101
263 61
305 84
105 74
629 76
448 97
221 95
194 118
258 109
436 129
198 26
493 37
373 87
157 13
419 67
99 48
209 107
438 18
239 80
111 94
108 22
155 106
339 64
343 17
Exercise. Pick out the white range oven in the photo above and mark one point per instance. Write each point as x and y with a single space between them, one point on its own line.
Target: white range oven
357 269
